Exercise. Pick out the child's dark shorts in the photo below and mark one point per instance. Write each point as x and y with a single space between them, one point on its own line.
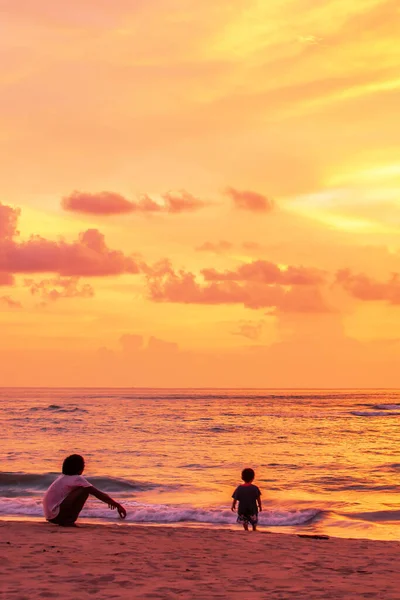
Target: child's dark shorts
246 518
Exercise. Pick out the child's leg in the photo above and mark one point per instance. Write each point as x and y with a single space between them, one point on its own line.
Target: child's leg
71 506
254 521
245 525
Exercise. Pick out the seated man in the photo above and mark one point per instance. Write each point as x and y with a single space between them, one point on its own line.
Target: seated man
67 495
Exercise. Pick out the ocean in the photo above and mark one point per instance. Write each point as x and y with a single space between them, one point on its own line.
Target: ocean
327 462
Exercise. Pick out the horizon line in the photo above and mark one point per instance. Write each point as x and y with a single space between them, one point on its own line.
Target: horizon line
8 387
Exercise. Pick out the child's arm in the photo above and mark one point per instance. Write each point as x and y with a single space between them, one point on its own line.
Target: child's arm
235 499
108 500
259 503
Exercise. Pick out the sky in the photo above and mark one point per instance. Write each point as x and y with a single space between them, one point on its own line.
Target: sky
200 194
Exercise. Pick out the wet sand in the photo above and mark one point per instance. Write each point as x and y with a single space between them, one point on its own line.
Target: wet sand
39 560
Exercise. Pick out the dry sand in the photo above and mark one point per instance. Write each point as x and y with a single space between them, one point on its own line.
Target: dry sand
39 560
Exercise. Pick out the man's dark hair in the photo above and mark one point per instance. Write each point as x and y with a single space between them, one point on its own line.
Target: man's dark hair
248 475
73 465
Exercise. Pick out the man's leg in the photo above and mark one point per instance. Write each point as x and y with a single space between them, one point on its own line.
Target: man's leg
71 506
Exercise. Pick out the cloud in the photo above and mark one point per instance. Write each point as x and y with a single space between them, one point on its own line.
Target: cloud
252 201
251 246
267 272
309 39
183 201
362 287
134 343
182 287
302 299
250 330
87 256
320 358
223 246
10 302
103 203
58 287
131 342
110 203
158 269
8 221
217 247
6 278
161 346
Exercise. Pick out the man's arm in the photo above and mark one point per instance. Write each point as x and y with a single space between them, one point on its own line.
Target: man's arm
107 500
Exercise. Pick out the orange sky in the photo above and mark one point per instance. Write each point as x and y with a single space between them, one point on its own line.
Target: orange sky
200 194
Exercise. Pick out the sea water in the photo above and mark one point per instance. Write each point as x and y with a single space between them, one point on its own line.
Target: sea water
327 462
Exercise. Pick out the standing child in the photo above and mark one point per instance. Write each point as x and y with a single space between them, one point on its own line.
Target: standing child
249 498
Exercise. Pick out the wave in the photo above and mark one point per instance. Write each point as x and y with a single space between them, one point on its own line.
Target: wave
65 409
26 484
227 395
58 409
393 466
25 481
198 466
346 484
146 513
223 428
386 407
360 487
378 516
375 413
388 468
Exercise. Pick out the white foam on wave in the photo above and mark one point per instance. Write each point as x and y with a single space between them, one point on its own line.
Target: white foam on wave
159 513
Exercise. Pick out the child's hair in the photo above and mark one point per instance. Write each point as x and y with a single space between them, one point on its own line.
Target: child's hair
248 475
73 465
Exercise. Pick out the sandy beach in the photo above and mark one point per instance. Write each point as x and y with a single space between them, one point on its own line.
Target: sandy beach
39 560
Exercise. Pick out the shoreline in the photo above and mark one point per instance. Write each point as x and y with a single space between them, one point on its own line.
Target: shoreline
40 560
286 531
310 529
94 523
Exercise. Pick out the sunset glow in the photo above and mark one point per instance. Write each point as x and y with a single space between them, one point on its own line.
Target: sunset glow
200 194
